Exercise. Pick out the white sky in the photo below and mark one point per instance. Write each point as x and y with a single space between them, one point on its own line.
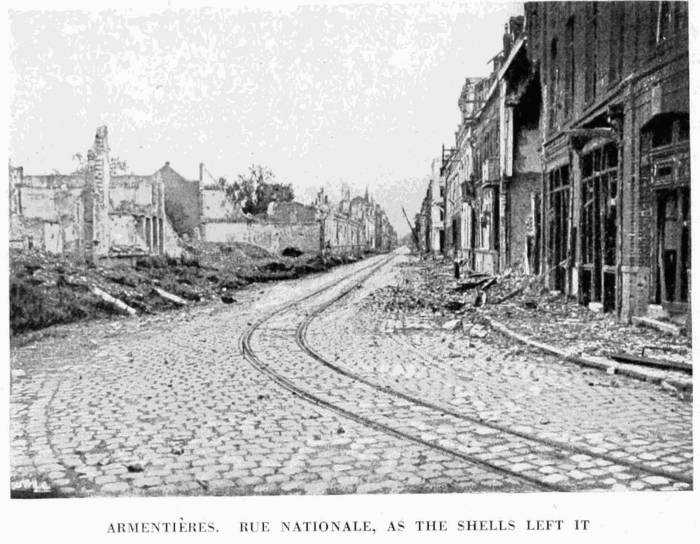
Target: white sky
324 94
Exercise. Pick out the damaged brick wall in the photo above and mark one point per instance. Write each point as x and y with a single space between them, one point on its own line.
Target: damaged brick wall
275 237
93 214
46 212
181 201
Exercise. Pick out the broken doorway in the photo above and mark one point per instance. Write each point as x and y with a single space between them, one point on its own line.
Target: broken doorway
673 252
665 144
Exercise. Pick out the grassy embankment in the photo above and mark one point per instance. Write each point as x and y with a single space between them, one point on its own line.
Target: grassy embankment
47 290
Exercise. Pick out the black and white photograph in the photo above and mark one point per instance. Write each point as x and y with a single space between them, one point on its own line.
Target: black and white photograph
349 249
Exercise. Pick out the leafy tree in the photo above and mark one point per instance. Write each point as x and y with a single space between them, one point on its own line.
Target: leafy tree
256 189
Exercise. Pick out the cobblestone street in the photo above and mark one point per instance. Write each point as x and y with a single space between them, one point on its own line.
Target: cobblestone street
292 390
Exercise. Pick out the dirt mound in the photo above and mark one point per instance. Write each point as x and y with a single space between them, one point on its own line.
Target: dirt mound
47 290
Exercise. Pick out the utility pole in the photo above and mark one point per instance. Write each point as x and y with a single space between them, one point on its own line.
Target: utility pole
415 234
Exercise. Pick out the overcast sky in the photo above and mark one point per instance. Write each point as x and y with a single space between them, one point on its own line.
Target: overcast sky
323 94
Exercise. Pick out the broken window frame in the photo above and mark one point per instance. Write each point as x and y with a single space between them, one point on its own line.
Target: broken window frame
569 76
591 55
598 222
617 42
553 84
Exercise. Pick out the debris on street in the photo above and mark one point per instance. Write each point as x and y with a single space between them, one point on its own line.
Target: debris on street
525 306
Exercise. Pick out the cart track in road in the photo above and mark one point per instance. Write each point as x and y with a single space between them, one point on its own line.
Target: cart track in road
565 449
304 393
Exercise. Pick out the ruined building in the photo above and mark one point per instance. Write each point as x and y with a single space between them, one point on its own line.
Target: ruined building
572 157
105 218
201 210
492 175
354 225
93 214
430 220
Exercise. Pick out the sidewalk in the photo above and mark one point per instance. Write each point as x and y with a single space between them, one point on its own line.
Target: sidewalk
567 329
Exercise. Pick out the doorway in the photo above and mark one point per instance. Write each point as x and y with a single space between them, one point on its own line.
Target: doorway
557 226
673 251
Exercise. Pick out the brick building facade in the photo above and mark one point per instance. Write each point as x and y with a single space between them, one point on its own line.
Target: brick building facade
615 142
572 157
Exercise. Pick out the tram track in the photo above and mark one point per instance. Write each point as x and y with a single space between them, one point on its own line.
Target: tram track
317 400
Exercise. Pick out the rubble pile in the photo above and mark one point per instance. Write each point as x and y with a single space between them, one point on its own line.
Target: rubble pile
47 290
562 322
525 306
421 287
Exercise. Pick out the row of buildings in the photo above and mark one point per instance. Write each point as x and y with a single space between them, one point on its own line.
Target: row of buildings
107 218
572 158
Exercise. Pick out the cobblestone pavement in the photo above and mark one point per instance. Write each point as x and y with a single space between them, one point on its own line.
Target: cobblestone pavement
168 405
478 373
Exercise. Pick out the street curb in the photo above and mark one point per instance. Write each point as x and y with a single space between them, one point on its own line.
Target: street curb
601 363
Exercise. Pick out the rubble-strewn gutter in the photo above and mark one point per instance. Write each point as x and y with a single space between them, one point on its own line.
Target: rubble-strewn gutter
600 363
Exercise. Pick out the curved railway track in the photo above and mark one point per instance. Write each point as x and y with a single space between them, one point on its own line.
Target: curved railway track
313 398
430 408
